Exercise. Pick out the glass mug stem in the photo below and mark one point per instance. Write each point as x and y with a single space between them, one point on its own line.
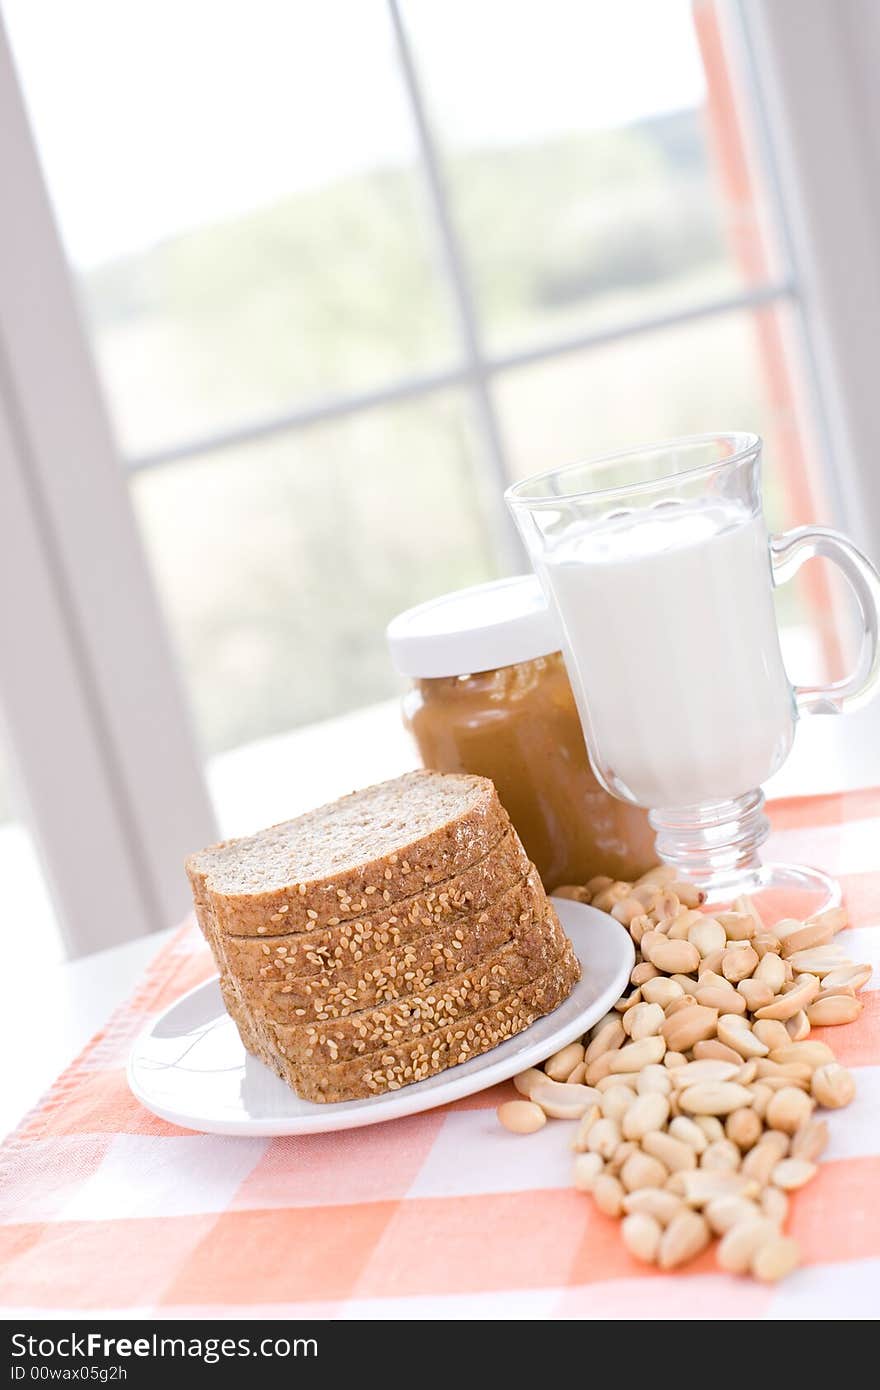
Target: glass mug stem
718 840
716 847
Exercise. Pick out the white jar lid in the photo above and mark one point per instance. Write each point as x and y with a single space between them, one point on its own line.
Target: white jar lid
476 629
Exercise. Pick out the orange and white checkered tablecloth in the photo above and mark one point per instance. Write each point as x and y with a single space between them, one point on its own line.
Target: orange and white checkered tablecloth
105 1209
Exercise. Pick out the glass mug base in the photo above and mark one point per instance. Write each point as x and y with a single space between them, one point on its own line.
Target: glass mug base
716 847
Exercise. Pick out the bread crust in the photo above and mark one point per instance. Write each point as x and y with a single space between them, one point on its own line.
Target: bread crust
356 889
532 949
421 964
418 1058
281 959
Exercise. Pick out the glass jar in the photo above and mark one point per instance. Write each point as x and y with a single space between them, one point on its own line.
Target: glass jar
490 695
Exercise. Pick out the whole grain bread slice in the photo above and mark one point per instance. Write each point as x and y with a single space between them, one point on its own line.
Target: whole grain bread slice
424 1056
384 843
529 952
285 958
401 970
205 918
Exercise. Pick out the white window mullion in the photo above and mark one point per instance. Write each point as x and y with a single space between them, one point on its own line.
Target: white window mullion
411 388
81 623
52 734
506 539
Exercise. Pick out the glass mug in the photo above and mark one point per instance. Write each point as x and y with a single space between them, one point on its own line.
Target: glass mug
660 568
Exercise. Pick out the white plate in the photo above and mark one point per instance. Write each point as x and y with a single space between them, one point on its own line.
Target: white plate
189 1066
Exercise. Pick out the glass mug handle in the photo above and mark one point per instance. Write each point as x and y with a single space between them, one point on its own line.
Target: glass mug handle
787 553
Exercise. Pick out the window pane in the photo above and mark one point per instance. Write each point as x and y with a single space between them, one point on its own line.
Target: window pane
280 564
588 186
727 372
29 926
235 189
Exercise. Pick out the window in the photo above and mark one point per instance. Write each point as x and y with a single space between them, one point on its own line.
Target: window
247 229
280 561
346 269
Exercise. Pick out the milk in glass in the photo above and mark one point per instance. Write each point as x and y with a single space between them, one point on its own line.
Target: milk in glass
673 649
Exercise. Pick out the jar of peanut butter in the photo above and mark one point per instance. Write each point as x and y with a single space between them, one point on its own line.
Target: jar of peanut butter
490 695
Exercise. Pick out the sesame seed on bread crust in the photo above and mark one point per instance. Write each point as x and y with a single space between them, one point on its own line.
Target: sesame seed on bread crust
533 947
403 970
329 950
417 1058
384 844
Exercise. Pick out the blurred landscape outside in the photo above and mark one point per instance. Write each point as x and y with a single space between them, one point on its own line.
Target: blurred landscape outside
279 563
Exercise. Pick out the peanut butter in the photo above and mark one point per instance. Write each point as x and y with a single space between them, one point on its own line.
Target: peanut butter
519 725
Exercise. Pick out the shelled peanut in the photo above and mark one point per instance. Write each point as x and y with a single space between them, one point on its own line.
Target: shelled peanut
695 1096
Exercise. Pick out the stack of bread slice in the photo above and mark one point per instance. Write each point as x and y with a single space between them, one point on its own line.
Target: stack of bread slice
383 938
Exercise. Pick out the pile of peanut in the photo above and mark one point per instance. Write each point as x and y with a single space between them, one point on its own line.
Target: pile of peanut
695 1096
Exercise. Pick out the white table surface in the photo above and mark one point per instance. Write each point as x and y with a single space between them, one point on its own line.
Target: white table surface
830 754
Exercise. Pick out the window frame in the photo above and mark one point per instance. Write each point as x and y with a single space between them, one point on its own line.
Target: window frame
94 711
813 70
117 723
